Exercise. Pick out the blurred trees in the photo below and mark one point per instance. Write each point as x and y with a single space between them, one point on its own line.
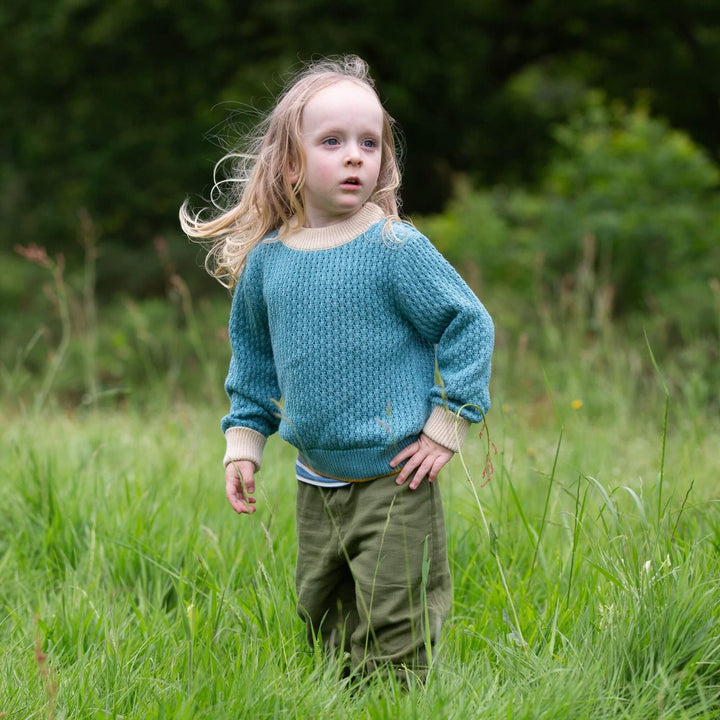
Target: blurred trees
625 219
645 193
105 104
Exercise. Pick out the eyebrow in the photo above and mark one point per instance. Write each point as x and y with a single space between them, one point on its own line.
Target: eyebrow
335 130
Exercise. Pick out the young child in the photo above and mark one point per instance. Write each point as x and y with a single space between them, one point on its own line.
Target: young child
354 338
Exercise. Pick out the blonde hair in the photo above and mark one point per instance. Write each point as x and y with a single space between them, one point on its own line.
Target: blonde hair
259 195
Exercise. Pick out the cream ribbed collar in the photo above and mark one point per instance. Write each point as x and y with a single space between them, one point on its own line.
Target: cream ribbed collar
333 235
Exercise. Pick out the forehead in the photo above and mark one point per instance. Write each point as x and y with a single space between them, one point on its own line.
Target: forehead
342 102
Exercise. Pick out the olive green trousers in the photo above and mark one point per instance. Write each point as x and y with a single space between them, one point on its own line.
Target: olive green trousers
372 572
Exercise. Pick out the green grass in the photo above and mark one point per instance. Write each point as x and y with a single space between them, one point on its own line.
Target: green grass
129 589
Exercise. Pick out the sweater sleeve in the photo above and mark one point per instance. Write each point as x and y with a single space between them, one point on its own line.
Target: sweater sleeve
447 314
251 383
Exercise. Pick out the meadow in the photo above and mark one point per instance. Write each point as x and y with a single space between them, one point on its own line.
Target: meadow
584 537
583 521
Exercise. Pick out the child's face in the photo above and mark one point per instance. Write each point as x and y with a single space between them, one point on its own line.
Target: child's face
341 129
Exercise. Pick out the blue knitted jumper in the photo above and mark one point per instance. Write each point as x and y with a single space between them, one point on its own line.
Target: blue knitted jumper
352 340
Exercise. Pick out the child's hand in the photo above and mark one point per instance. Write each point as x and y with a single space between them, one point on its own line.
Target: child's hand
240 486
426 456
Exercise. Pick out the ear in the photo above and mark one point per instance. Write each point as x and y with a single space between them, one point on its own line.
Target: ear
293 170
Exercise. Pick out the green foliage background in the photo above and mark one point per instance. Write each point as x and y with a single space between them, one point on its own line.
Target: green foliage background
105 104
567 169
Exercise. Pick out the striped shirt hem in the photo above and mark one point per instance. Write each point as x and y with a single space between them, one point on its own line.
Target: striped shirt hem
304 473
307 475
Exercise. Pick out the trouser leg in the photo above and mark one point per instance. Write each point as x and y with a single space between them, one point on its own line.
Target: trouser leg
402 578
324 583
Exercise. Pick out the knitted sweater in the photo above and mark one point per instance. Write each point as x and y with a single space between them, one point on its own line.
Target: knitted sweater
352 341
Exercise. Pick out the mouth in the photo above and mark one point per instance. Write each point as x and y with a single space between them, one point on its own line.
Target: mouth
354 181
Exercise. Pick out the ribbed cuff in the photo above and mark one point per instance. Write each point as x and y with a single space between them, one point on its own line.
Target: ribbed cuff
244 444
446 428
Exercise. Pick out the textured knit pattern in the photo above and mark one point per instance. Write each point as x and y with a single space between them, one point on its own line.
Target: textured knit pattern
349 336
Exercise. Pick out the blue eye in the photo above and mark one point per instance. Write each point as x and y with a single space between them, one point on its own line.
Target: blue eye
331 141
369 143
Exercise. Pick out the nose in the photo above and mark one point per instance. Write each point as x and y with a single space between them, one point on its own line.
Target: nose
353 156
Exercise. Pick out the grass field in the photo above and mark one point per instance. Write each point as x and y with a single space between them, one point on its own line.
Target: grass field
586 571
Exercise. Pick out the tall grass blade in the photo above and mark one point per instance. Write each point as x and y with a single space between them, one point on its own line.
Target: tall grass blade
543 520
664 430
